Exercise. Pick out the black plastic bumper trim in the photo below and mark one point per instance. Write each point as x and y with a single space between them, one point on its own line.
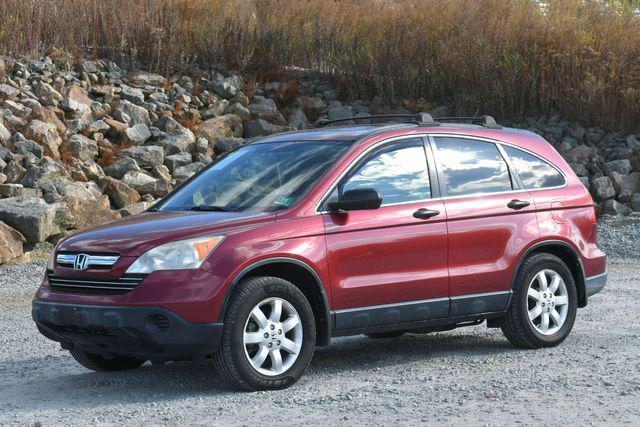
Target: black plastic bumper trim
134 331
595 284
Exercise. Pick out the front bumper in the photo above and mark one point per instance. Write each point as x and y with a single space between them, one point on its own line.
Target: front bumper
595 284
151 333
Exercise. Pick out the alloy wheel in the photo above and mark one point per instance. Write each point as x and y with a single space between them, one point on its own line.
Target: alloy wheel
547 302
272 336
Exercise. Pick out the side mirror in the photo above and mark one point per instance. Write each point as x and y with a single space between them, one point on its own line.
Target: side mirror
357 200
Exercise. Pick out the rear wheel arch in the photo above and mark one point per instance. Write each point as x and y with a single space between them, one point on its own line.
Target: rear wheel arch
568 254
303 276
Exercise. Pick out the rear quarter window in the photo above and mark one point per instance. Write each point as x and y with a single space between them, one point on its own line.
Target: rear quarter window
534 172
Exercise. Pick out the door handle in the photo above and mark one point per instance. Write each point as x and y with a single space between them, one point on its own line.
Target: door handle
518 204
425 213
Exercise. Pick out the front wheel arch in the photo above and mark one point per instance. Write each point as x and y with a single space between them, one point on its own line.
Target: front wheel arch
303 276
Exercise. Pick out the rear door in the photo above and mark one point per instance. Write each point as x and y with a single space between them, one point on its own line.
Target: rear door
389 265
490 217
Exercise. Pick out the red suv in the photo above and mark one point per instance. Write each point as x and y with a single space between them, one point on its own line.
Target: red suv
300 237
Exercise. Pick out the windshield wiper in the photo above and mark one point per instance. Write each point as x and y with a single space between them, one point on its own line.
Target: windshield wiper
205 208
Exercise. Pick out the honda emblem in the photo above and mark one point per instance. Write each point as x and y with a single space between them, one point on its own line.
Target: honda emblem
81 262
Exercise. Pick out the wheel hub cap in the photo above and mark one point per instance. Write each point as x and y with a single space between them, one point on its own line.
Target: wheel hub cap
547 302
272 336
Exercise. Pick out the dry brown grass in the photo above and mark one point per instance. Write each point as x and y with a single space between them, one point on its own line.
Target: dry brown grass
505 57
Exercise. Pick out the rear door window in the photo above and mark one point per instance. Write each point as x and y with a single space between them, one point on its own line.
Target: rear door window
472 167
534 172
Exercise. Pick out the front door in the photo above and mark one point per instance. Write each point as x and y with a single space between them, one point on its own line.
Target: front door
389 265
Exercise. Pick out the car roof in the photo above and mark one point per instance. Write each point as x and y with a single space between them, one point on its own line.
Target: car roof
352 133
335 133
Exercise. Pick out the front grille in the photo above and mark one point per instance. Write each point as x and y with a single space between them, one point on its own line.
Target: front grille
84 261
121 285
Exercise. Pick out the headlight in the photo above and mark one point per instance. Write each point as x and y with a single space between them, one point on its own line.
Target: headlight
180 255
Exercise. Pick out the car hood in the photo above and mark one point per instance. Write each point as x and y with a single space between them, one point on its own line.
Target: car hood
132 236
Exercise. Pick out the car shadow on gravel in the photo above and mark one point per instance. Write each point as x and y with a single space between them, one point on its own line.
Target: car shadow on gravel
362 352
53 382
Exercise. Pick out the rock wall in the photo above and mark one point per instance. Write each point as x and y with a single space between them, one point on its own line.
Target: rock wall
85 146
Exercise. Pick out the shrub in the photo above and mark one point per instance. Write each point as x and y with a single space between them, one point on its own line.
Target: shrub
504 57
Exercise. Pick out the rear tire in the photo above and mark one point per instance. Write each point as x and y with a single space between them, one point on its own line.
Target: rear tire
269 335
390 334
96 362
543 305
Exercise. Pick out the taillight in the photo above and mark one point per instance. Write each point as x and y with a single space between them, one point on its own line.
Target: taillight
593 217
594 230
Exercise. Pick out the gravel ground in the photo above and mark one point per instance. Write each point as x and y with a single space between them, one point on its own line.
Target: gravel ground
470 375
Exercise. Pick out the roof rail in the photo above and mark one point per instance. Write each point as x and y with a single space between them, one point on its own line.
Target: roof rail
424 119
486 121
420 118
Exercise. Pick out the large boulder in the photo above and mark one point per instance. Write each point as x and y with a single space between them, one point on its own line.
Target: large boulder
137 134
239 110
626 185
222 88
119 193
177 141
134 209
132 94
228 144
34 218
266 109
143 78
225 126
635 202
46 94
28 146
17 109
45 134
138 115
76 100
11 190
260 127
183 173
82 148
340 112
121 166
46 170
622 167
602 188
174 161
146 157
52 191
90 213
145 184
7 91
11 242
14 172
5 135
612 207
298 120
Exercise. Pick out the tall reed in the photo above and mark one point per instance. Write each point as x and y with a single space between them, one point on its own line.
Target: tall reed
504 57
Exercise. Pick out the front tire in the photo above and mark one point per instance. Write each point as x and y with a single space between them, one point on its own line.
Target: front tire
269 335
544 303
96 362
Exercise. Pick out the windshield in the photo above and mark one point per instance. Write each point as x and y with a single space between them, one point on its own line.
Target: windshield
258 177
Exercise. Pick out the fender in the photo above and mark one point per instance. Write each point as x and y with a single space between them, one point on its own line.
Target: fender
582 301
282 260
